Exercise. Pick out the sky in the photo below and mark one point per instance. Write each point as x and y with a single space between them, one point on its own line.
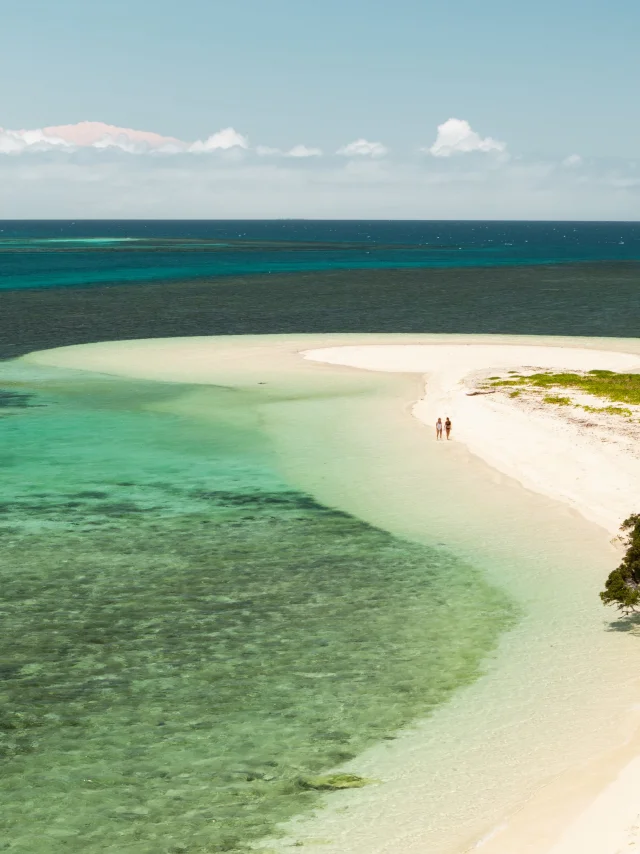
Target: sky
286 108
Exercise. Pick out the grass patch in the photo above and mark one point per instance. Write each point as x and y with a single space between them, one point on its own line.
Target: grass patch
619 388
557 399
515 393
616 387
610 410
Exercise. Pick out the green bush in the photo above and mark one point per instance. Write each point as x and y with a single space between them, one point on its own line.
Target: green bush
622 588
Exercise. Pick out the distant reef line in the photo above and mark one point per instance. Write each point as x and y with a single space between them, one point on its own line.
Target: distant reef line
593 299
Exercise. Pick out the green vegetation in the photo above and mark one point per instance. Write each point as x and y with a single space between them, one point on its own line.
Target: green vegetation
558 399
618 388
610 410
515 393
504 383
622 588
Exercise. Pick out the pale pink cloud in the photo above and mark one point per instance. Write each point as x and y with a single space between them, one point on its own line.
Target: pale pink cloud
99 135
93 133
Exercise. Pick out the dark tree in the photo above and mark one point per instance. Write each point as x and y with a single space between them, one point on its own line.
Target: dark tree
623 585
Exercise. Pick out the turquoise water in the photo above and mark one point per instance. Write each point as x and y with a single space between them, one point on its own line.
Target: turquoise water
59 253
186 636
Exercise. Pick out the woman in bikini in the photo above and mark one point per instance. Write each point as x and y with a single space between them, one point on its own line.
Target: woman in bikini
439 428
447 426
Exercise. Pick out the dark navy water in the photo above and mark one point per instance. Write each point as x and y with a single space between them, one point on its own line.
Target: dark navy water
49 254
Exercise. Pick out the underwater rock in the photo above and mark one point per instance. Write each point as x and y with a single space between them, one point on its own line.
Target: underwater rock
333 782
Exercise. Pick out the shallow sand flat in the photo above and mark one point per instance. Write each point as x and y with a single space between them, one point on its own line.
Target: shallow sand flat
558 697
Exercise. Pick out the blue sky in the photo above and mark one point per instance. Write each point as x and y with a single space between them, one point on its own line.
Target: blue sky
549 81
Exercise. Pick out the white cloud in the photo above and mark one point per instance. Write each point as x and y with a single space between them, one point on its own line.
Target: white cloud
303 151
572 161
17 141
363 148
100 136
455 136
221 141
296 151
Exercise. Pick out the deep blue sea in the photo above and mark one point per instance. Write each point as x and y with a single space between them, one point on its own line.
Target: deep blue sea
59 253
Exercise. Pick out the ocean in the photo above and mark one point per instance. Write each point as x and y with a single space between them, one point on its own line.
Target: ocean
73 283
59 254
211 596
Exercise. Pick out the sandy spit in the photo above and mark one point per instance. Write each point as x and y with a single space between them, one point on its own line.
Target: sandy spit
598 476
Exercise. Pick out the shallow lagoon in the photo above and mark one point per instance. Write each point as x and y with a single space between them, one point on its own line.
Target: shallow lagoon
187 633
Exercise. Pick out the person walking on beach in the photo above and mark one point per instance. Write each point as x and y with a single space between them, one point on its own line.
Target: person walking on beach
439 428
447 426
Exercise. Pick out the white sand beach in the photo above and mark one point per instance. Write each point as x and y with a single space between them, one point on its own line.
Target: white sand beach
595 471
542 754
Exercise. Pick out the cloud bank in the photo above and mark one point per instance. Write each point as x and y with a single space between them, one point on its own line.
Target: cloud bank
96 135
88 170
101 136
296 151
455 136
41 187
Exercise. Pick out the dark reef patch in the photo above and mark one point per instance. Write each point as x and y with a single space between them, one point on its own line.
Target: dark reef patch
16 399
591 299
223 647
